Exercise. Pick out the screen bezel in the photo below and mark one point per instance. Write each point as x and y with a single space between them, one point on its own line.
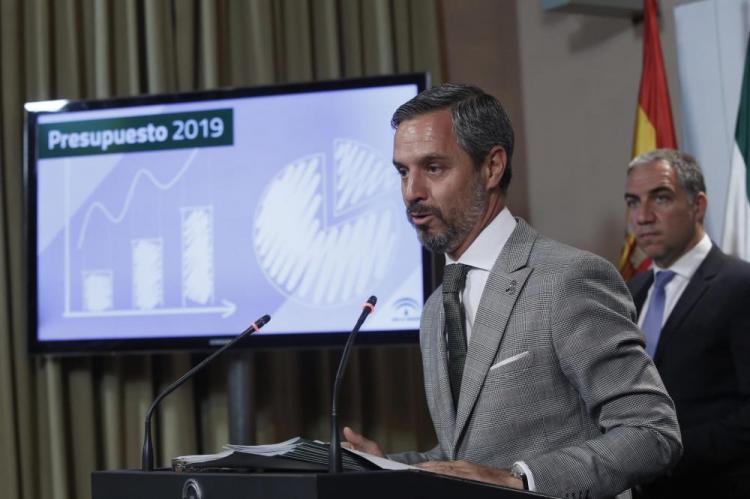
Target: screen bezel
165 344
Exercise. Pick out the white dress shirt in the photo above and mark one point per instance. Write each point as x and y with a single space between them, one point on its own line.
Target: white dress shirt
684 269
481 256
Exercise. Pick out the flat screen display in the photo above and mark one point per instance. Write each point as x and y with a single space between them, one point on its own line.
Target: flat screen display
175 221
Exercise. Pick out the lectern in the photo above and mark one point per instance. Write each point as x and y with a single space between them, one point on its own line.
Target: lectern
126 484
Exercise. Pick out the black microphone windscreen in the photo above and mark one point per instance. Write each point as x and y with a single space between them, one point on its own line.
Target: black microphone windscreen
262 321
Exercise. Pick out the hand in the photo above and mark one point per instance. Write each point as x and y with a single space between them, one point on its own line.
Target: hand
471 471
357 442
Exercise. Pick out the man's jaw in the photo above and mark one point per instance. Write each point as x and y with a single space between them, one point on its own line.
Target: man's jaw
434 236
650 243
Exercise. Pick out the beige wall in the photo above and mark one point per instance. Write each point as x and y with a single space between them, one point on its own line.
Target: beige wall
570 83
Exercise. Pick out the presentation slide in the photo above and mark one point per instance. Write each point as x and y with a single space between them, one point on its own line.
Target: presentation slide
194 219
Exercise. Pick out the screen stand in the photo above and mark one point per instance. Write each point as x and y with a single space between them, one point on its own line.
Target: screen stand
241 393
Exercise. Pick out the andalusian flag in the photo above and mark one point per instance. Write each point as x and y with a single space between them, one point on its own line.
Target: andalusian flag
653 123
737 221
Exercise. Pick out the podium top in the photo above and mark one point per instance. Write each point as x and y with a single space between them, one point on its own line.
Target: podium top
408 484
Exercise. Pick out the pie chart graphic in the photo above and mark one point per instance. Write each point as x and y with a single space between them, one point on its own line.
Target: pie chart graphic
325 236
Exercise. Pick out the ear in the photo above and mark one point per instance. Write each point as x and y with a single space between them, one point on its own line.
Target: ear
700 203
495 164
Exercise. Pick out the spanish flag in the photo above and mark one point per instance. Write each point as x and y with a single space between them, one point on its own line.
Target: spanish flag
653 123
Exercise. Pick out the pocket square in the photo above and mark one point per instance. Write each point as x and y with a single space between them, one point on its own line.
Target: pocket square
510 359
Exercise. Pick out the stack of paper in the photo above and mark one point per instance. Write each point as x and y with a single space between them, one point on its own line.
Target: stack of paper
296 454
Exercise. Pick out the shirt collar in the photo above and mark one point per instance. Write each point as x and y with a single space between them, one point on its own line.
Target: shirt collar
687 264
489 243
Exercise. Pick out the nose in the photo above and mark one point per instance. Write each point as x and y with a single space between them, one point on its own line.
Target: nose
643 214
413 188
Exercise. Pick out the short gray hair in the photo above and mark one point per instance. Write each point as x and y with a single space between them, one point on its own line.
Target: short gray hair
479 120
685 166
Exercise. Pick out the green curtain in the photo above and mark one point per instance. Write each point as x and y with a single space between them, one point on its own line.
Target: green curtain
63 417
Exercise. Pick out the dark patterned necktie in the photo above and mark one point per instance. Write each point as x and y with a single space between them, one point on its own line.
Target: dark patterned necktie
454 278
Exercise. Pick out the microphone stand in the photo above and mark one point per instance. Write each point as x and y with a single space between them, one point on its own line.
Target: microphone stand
147 458
334 451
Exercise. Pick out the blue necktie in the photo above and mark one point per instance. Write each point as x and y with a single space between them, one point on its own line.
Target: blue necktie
655 315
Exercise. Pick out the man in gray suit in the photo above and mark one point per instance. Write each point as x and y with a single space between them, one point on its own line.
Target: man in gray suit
535 373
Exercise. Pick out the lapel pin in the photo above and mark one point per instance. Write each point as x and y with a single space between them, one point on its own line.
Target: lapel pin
511 287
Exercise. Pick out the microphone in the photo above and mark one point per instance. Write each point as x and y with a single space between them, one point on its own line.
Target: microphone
334 451
147 458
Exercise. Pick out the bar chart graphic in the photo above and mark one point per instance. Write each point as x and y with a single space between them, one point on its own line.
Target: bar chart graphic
97 290
148 273
197 255
144 271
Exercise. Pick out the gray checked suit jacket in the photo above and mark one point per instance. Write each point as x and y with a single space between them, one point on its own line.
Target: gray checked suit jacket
555 376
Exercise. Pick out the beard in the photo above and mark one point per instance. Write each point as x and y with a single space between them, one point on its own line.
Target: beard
457 222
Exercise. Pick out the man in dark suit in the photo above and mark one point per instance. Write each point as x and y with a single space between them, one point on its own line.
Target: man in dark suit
694 308
533 366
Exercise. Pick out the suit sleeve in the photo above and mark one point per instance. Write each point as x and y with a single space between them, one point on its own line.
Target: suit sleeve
600 352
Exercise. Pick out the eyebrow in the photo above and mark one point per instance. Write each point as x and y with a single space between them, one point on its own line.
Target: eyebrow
655 190
660 190
428 158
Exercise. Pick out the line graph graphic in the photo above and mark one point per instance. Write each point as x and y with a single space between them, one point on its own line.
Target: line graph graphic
182 247
142 173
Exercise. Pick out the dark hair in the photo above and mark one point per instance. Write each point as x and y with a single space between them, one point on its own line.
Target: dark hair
479 120
685 166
